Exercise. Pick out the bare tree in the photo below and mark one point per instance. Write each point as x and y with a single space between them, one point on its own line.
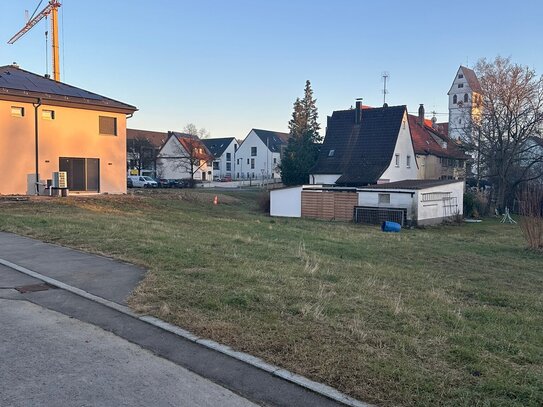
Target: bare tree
503 120
192 130
189 155
141 154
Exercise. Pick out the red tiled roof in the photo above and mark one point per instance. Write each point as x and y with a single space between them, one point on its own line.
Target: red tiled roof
425 143
194 144
473 82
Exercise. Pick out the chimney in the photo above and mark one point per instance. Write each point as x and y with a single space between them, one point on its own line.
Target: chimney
15 65
358 111
421 115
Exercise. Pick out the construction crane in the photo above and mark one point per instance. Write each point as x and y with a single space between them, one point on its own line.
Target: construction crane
50 9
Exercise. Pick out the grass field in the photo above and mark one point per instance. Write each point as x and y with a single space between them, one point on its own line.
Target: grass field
449 315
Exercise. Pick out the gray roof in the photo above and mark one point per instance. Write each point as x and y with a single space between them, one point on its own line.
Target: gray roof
273 139
216 146
16 82
359 152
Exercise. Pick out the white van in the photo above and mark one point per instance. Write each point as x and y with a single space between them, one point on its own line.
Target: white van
142 181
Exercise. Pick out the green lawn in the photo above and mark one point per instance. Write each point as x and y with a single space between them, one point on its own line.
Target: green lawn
449 315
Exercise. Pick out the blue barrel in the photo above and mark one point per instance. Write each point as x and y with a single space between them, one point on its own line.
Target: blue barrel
391 227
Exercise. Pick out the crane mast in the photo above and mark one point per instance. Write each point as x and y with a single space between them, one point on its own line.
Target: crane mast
50 9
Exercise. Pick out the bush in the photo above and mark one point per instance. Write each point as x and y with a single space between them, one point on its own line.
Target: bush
531 209
264 202
474 205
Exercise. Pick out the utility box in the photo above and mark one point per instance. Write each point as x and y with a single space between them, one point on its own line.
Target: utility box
60 180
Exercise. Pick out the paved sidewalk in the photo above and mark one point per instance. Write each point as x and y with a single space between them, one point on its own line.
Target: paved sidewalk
114 281
98 275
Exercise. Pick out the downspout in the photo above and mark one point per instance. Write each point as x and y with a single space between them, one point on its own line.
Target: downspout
36 142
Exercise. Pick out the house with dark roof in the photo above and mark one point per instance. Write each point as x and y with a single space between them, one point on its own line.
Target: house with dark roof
48 126
438 156
366 146
142 147
184 156
223 151
259 156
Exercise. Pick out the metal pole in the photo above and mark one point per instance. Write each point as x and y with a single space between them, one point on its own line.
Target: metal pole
36 145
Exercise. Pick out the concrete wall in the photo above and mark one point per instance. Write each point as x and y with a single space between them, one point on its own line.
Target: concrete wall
266 162
435 210
402 200
286 202
72 133
404 147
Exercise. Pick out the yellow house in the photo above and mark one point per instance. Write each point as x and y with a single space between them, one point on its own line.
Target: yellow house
48 126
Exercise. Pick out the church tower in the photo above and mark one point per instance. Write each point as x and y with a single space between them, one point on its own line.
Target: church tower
464 102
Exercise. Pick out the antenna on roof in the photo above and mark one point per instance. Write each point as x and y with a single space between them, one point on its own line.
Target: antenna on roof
385 75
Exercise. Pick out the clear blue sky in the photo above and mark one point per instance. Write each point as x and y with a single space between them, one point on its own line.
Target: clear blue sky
233 65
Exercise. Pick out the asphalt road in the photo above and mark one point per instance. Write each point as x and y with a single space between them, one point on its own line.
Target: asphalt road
50 359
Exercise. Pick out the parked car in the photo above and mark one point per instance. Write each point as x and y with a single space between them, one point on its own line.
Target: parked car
165 183
142 181
129 183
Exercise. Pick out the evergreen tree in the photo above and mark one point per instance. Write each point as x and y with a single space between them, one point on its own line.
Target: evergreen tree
303 145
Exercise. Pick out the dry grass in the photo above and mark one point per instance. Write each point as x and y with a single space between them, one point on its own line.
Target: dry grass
441 316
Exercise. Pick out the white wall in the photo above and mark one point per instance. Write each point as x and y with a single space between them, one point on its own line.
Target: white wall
435 209
324 179
404 147
286 202
402 200
265 161
223 171
173 168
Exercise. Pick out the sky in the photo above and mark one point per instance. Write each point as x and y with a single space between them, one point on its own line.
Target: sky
230 66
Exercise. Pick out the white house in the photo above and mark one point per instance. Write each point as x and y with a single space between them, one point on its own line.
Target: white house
365 146
223 151
184 157
259 156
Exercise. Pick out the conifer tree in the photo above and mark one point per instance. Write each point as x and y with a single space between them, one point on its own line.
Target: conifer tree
303 146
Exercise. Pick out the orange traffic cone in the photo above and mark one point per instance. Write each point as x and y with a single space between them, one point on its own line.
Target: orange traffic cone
215 200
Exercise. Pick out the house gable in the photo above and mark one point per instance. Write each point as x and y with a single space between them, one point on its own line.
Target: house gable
361 152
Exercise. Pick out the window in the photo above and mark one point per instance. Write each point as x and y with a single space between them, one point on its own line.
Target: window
228 156
248 175
17 111
455 99
253 151
331 153
384 198
460 76
275 160
408 161
460 85
48 114
238 164
466 97
397 160
228 166
215 165
247 161
108 125
252 163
